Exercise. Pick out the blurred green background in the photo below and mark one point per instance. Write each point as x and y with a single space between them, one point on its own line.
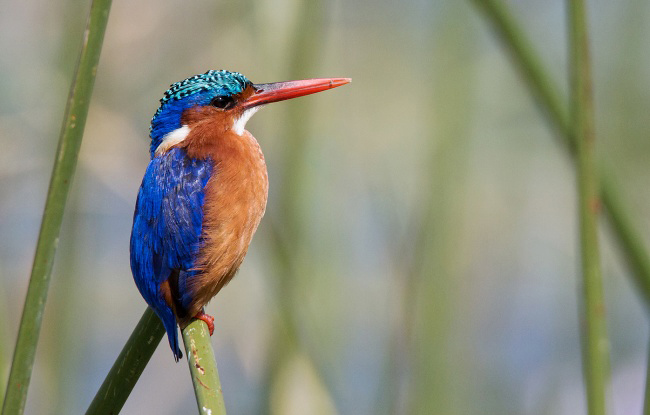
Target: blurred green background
418 255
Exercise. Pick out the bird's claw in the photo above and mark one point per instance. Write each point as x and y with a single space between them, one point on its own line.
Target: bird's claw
209 320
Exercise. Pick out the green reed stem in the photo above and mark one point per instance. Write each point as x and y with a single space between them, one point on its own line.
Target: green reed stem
128 367
64 166
203 368
135 356
544 90
595 352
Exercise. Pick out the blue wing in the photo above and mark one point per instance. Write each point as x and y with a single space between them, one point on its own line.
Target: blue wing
167 228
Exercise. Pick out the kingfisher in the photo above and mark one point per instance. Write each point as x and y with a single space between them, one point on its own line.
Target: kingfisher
204 192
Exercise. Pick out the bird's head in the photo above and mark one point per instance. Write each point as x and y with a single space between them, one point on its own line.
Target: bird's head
227 97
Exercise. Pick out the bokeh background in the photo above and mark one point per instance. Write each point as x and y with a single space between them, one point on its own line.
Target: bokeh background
418 255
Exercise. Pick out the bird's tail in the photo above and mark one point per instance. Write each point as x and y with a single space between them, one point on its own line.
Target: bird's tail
169 322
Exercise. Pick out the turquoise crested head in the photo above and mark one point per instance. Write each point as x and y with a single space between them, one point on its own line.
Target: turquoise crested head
231 98
197 90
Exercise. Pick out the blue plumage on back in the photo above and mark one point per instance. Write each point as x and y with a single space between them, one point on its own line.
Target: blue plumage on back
167 228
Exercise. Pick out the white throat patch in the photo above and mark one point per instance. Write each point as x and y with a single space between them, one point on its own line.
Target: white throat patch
240 123
172 138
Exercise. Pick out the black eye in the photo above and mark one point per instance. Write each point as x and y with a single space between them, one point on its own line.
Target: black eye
222 102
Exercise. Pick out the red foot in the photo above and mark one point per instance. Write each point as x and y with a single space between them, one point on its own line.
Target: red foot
209 320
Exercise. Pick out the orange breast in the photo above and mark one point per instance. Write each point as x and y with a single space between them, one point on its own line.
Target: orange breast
235 201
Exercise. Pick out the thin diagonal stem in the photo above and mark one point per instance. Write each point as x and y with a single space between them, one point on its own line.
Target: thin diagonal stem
135 356
631 245
544 90
203 368
526 60
595 352
128 367
64 166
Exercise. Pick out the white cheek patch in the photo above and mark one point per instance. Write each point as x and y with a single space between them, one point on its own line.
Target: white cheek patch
240 123
172 138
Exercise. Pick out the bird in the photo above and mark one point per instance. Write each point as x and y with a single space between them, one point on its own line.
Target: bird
203 193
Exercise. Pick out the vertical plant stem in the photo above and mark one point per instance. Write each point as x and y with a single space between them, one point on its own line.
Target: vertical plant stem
203 368
128 367
64 166
595 342
543 90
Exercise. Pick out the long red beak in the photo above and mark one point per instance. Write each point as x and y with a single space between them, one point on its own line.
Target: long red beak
279 91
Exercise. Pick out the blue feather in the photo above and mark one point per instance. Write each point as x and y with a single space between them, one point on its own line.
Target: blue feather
167 229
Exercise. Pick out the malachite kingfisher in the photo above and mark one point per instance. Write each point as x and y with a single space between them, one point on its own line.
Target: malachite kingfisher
204 192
